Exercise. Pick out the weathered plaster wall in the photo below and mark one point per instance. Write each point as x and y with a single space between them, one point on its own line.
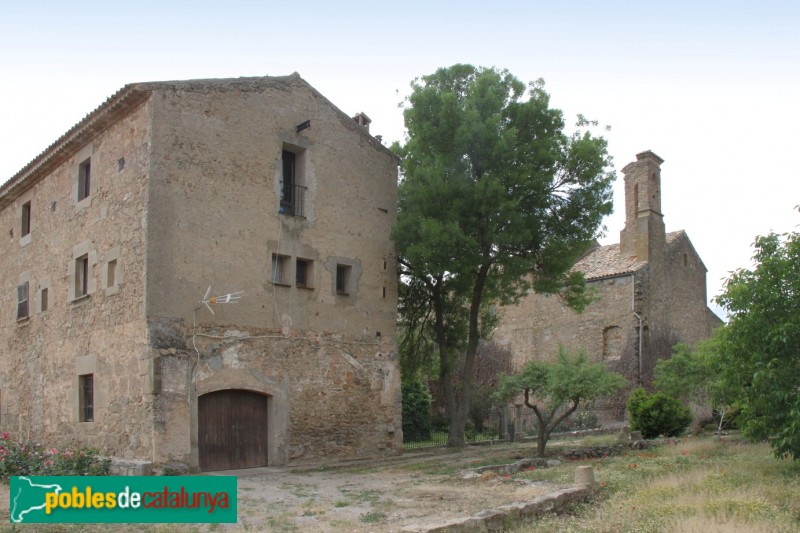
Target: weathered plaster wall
328 363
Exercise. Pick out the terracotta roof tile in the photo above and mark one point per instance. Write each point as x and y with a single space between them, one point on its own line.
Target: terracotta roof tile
607 261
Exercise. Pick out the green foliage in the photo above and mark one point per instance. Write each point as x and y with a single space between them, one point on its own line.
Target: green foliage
493 190
759 348
696 376
687 375
567 382
416 411
657 414
25 459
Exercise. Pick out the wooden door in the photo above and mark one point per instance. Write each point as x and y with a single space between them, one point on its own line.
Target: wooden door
232 430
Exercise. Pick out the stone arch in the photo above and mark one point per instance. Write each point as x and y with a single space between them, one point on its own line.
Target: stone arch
612 343
277 413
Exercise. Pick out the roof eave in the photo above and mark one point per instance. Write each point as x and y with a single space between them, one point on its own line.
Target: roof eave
114 108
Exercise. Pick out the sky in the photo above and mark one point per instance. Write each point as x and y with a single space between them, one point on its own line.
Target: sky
712 87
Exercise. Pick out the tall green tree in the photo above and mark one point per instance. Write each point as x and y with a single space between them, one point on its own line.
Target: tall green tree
495 199
759 347
555 390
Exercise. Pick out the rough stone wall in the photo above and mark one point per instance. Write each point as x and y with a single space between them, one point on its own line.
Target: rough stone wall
329 398
329 364
103 334
685 293
536 327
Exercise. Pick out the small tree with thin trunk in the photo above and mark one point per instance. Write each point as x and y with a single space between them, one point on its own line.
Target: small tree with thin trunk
555 390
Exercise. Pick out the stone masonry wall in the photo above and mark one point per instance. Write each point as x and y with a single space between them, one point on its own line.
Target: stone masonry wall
103 334
606 329
329 398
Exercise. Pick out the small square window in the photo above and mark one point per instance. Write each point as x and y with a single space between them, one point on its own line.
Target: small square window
304 273
26 219
343 279
22 300
82 276
84 179
281 275
86 400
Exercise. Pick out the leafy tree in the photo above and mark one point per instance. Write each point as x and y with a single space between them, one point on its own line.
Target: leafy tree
657 414
759 347
567 382
495 199
695 375
416 411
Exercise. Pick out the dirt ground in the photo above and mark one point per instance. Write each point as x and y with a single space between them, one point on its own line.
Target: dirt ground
380 496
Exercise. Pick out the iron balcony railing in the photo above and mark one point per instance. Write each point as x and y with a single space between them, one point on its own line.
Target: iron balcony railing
295 203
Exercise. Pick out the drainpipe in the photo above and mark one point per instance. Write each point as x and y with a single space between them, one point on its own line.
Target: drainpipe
639 318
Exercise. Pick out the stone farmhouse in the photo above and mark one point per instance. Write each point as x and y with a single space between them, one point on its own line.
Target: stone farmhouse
256 187
650 289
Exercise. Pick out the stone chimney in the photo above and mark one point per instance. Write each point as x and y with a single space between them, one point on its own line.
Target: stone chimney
643 235
363 120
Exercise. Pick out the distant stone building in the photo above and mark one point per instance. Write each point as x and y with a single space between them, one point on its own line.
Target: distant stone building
650 288
116 231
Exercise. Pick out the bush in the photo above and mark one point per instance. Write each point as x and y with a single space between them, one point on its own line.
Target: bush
25 459
416 411
657 414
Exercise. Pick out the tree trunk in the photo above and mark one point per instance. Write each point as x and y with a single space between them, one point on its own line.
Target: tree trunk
541 441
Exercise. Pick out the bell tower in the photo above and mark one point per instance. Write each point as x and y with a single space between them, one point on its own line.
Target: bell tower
643 235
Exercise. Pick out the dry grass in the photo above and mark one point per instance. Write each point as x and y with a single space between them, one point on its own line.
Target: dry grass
693 485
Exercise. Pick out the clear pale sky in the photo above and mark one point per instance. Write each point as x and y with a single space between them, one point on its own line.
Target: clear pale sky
711 87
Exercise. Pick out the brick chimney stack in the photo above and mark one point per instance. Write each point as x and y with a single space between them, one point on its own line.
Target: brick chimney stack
643 235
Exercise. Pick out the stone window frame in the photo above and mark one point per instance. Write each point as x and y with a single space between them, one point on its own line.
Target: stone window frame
43 295
82 265
307 270
343 282
607 340
85 178
281 269
292 190
25 215
23 313
85 365
351 268
113 272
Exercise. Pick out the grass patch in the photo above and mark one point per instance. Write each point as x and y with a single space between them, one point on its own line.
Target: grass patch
373 517
688 485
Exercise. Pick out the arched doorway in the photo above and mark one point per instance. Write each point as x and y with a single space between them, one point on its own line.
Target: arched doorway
232 429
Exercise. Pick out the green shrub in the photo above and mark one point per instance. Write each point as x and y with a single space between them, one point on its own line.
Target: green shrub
26 459
657 414
416 411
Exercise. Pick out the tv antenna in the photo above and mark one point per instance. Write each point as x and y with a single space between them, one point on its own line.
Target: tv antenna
230 298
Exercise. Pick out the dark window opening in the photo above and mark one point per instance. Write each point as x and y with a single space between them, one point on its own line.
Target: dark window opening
304 273
43 299
22 300
86 386
292 193
342 279
26 218
82 276
84 179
